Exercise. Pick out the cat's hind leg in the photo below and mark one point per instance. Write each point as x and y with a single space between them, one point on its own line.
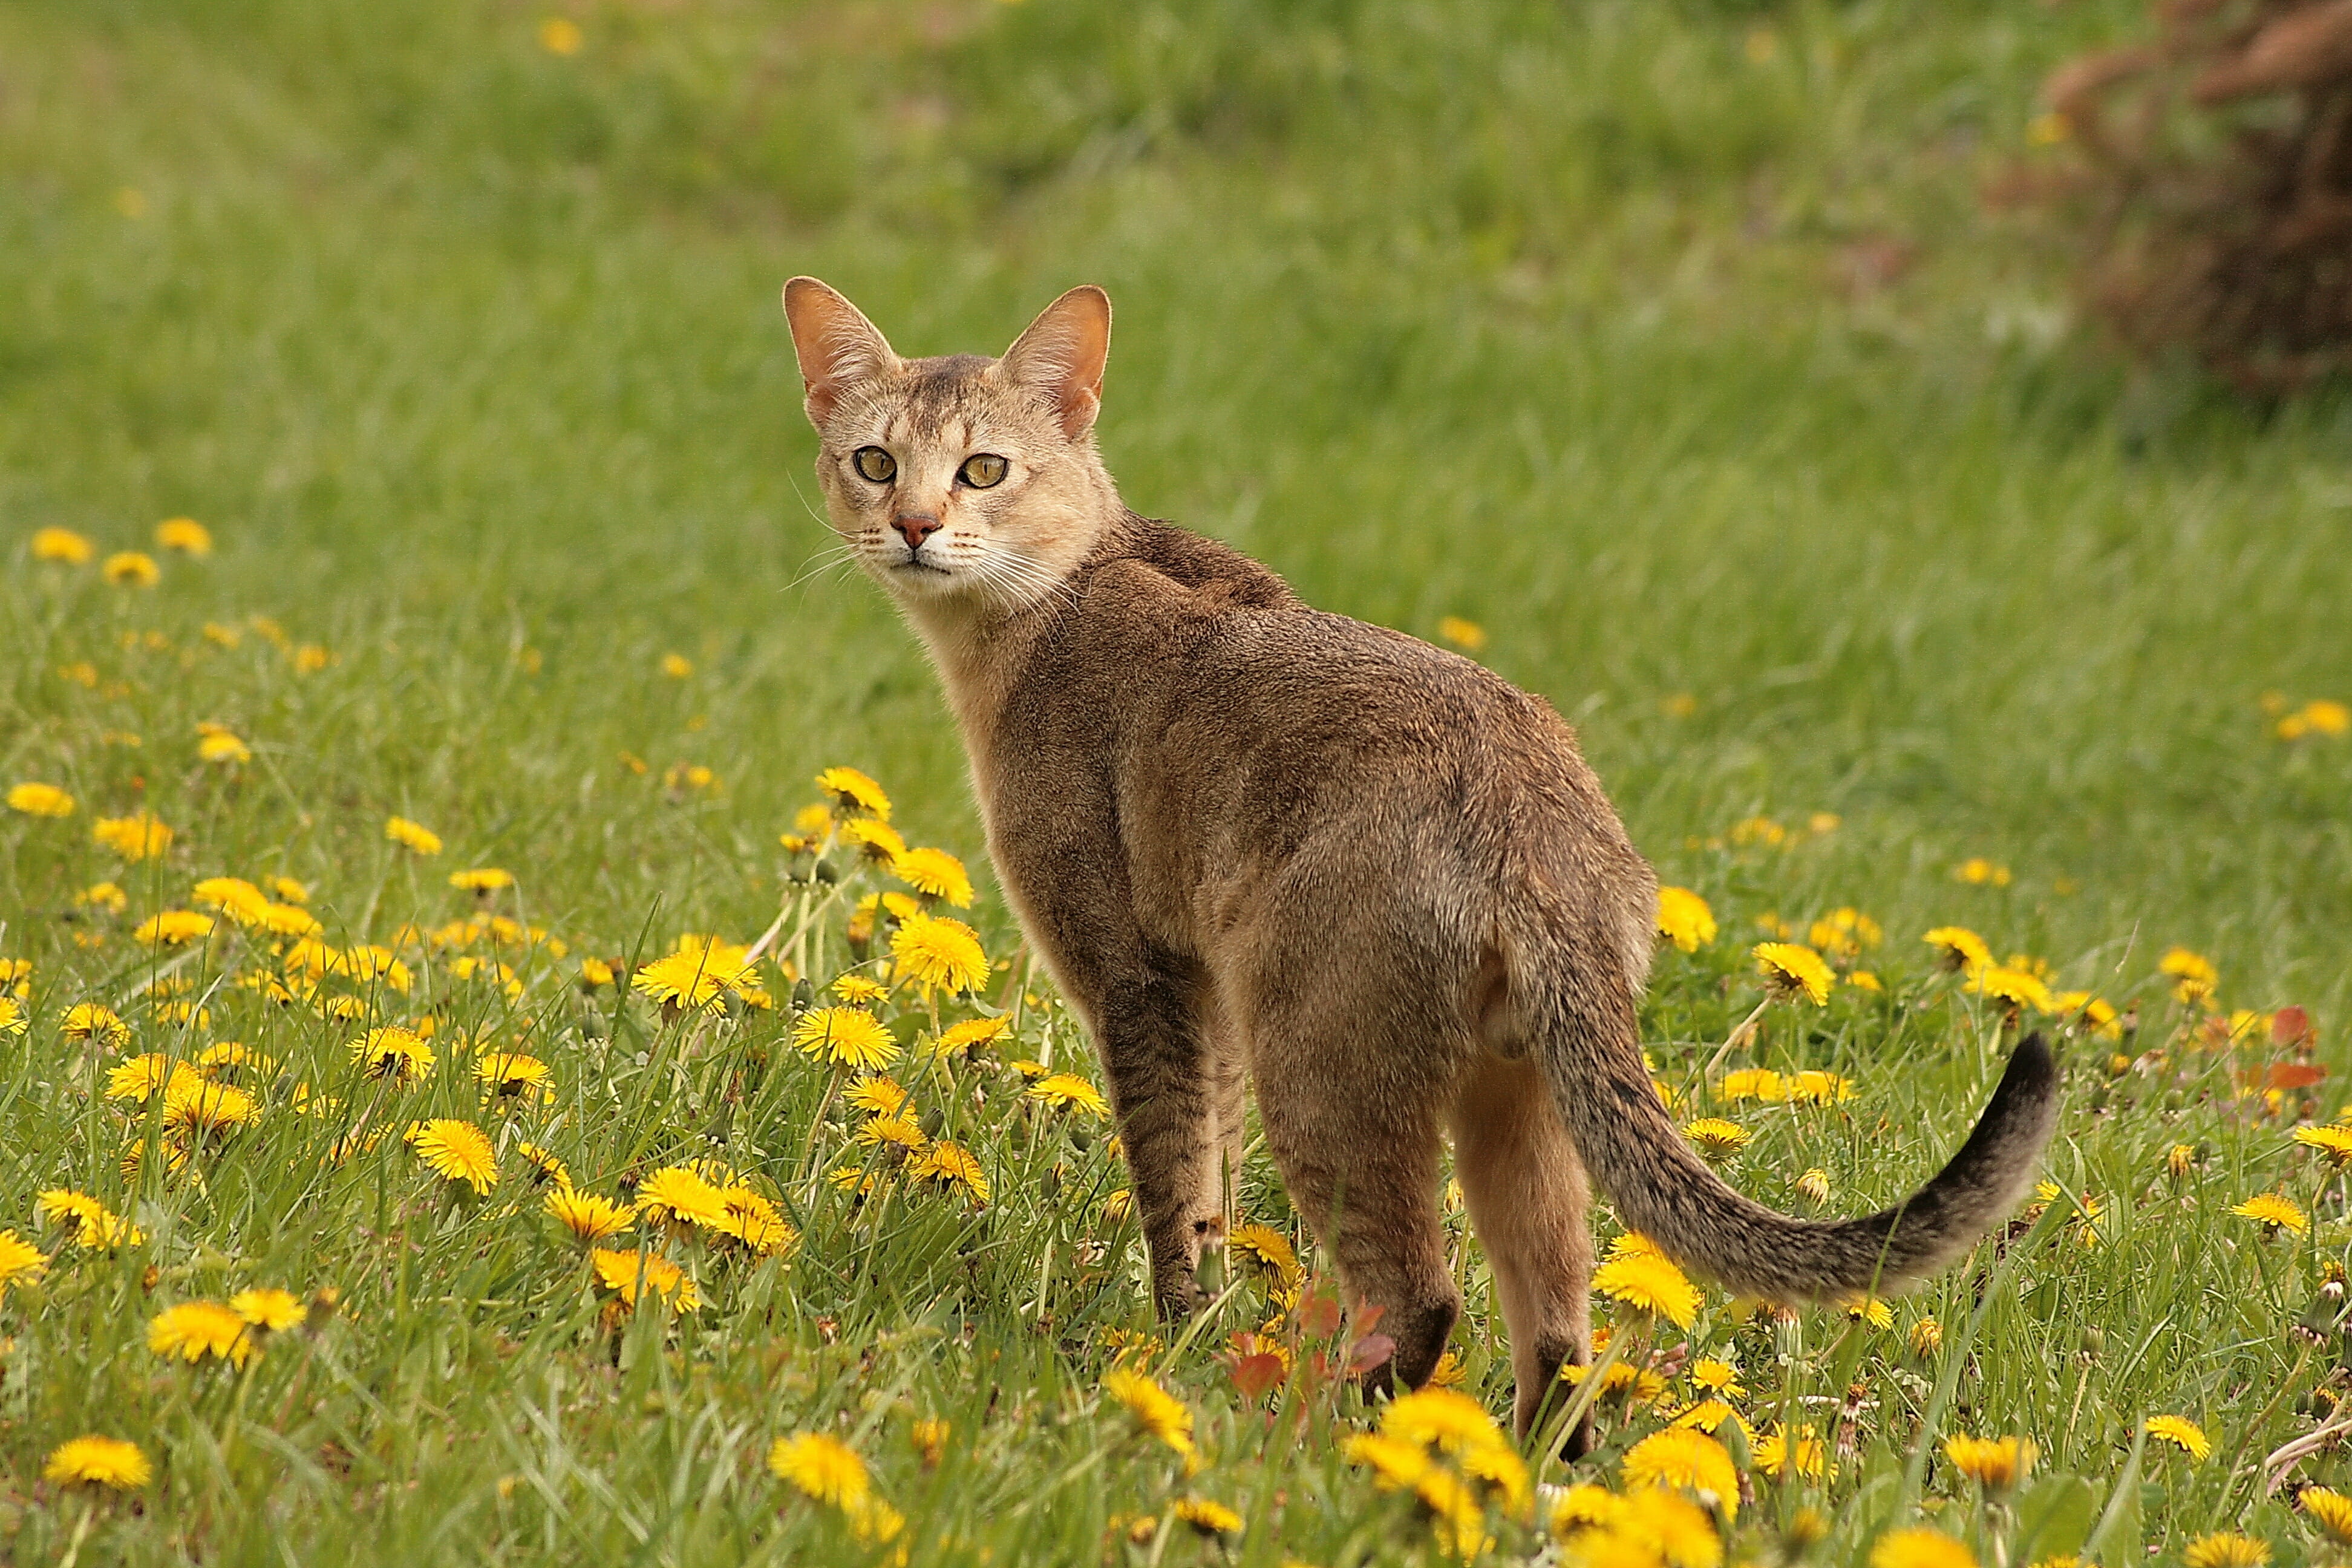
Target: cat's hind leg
1527 1196
1351 1102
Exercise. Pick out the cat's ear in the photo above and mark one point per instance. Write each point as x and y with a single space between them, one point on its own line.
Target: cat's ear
837 346
1061 355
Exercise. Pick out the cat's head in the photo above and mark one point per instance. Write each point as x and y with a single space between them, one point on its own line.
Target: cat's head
959 480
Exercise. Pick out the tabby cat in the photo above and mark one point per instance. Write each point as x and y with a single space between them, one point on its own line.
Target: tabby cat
1257 844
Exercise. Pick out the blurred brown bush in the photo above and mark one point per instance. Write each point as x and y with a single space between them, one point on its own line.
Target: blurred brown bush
2210 175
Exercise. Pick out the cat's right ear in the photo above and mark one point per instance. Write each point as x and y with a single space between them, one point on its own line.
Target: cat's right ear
837 346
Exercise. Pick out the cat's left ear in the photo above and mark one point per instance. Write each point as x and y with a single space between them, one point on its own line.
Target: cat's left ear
1061 355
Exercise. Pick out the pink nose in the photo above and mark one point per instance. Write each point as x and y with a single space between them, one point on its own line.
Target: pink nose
915 529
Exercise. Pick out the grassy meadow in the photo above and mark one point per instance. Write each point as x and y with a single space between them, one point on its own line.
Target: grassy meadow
1665 354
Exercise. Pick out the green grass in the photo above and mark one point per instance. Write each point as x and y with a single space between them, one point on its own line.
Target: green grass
470 353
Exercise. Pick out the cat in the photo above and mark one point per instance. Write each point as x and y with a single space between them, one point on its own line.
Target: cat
1258 844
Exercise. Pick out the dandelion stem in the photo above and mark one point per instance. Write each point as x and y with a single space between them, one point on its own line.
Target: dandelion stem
1738 1037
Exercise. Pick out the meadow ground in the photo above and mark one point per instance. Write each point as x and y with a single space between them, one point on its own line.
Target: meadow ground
1670 346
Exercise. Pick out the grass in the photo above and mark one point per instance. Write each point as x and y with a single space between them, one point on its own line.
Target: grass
468 353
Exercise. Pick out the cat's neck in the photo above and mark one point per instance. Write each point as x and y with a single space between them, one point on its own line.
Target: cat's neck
980 644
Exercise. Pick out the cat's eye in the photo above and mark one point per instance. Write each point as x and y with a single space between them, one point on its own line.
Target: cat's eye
981 469
874 463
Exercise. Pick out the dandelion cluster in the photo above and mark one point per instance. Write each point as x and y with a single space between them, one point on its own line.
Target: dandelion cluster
640 1149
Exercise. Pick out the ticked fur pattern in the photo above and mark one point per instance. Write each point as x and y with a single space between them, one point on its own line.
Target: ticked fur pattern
1259 844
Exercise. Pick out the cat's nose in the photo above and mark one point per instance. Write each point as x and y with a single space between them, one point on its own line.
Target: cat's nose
914 529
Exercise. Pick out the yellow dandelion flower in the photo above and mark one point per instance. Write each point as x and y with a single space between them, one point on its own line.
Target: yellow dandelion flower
413 836
693 978
855 791
1268 1249
34 799
1684 918
234 897
395 1054
1754 1083
2194 977
132 569
1649 1284
135 838
1959 948
2328 1508
1441 1418
1066 1091
512 1074
1979 872
950 1165
2181 1433
935 874
198 1107
1682 1458
2015 986
482 879
2334 1142
940 953
844 1036
184 534
19 1260
754 1221
1921 1547
1717 1377
971 1035
823 1467
1158 1413
2226 1549
1466 635
1868 1310
1206 1517
195 1329
1994 1463
545 1167
268 1309
1585 1507
455 1150
62 545
881 1096
1926 1337
104 896
1771 1452
858 990
892 1135
679 1195
173 928
2275 1212
141 1078
626 1273
1790 970
1715 1138
222 746
588 1217
1395 1464
95 1461
1816 1087
878 841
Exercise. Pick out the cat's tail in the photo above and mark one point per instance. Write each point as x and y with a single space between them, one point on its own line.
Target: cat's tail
1580 1014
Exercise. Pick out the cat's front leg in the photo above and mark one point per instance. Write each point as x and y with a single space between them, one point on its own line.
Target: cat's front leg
1145 1015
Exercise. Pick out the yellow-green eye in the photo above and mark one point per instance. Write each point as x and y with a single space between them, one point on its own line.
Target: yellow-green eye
874 464
981 469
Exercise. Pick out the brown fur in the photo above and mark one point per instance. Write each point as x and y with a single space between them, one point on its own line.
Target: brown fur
1249 838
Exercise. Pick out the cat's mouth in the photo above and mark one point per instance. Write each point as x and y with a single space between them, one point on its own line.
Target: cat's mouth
916 564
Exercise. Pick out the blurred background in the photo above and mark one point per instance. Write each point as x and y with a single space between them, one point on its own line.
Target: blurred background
1822 409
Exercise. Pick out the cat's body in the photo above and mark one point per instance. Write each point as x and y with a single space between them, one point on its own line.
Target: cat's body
1257 842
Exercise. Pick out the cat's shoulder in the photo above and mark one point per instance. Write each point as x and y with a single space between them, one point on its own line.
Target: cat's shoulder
1188 573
